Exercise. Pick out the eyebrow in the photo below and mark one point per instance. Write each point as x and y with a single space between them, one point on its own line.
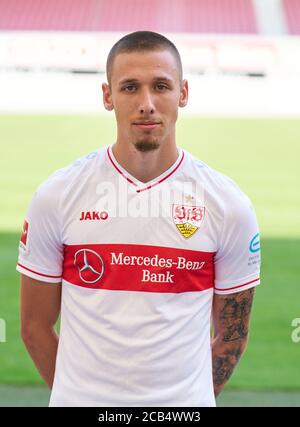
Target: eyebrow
122 82
128 81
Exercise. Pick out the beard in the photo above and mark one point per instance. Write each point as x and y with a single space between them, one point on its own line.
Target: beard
146 146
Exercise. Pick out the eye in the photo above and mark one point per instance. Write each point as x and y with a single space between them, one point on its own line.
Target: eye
161 87
129 88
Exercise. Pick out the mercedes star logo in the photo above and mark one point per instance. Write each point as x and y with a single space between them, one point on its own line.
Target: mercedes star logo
90 265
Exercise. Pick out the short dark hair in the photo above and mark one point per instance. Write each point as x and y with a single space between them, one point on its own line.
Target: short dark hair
142 41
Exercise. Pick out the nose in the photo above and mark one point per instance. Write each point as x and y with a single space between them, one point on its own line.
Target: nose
146 104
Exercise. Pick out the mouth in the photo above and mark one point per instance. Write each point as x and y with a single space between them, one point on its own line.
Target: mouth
146 125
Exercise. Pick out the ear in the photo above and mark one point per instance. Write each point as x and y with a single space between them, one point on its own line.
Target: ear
107 98
184 93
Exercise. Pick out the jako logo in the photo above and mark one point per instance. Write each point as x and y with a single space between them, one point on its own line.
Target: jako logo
296 332
255 244
93 216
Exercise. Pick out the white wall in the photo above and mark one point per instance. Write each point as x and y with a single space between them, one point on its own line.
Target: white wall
50 88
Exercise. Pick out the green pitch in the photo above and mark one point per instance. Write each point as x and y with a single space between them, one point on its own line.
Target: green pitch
11 395
261 155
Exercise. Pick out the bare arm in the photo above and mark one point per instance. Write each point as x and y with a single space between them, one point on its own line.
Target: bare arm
40 308
231 316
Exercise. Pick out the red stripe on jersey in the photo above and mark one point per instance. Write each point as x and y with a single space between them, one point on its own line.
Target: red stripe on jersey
138 268
135 184
40 274
161 180
238 286
119 170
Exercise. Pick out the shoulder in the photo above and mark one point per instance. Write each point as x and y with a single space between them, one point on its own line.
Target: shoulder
64 180
218 188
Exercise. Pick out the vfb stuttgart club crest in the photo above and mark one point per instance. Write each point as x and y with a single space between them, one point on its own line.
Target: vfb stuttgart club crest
188 218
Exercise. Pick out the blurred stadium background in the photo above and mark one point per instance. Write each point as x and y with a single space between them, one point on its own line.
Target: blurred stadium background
243 64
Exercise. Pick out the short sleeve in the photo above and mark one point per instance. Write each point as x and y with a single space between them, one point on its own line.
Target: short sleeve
41 249
237 261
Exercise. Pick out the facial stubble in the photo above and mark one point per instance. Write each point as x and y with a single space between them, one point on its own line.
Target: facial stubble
146 146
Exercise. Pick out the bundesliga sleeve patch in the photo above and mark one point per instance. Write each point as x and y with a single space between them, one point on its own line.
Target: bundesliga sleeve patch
23 240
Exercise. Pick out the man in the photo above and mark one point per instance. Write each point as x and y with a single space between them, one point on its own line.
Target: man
138 245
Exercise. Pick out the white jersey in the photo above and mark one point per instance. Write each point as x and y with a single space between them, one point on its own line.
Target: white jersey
139 265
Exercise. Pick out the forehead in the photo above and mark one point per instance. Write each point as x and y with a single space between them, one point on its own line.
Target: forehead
144 65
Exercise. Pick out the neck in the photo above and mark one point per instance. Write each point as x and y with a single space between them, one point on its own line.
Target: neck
145 166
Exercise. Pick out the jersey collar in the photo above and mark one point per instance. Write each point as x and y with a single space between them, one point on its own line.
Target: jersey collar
142 186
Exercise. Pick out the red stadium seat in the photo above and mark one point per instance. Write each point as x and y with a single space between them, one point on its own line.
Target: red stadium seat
203 16
292 13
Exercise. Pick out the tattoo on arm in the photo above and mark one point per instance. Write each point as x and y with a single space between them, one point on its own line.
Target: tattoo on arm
233 321
224 365
234 315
